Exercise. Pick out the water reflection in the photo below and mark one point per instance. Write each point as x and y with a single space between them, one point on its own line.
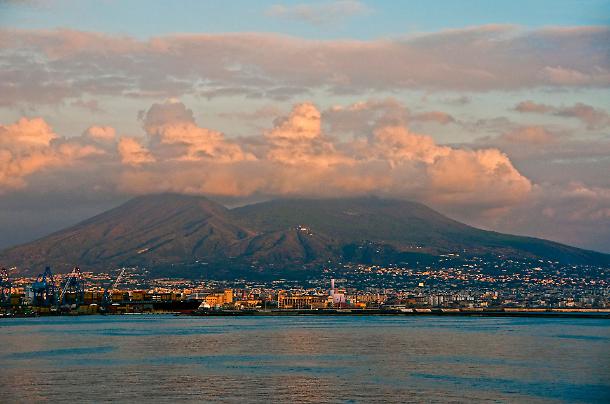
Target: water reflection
310 359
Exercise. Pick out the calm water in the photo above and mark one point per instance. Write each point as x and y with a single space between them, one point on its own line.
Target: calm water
304 359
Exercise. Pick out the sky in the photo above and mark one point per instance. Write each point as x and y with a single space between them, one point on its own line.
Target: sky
496 113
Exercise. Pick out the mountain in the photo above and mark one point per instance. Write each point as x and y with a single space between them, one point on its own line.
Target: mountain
404 225
147 230
185 234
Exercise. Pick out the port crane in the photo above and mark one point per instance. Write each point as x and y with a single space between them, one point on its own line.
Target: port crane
73 290
44 290
107 296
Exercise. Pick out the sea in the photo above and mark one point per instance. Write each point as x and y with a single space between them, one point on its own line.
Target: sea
304 359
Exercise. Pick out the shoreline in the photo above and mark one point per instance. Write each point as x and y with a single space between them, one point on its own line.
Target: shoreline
602 313
531 313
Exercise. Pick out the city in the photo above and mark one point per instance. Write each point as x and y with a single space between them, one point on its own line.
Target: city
458 286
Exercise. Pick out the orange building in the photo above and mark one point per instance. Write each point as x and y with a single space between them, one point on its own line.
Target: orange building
218 299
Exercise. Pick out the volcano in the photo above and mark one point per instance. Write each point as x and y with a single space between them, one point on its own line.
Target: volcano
285 235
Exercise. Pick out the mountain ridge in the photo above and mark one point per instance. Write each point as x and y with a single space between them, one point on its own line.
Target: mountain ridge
283 234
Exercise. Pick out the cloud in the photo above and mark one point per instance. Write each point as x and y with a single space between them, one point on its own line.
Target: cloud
26 133
303 124
101 133
90 105
174 134
574 213
29 146
295 157
133 153
297 139
49 67
569 189
458 100
551 154
362 117
485 178
397 144
266 112
168 113
439 117
593 118
528 135
571 77
530 106
593 204
319 14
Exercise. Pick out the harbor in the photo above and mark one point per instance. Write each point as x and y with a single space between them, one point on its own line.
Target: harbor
82 293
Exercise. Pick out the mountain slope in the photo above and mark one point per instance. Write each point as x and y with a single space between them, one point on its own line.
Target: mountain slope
403 225
145 230
175 230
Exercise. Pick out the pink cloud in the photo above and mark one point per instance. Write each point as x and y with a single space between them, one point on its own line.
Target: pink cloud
293 157
296 157
174 134
439 117
593 118
50 66
133 153
360 117
530 106
297 139
29 146
101 133
532 135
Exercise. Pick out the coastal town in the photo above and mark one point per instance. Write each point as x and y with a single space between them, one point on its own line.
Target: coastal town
350 289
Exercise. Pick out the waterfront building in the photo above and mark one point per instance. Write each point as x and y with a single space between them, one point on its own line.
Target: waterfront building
302 301
219 299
